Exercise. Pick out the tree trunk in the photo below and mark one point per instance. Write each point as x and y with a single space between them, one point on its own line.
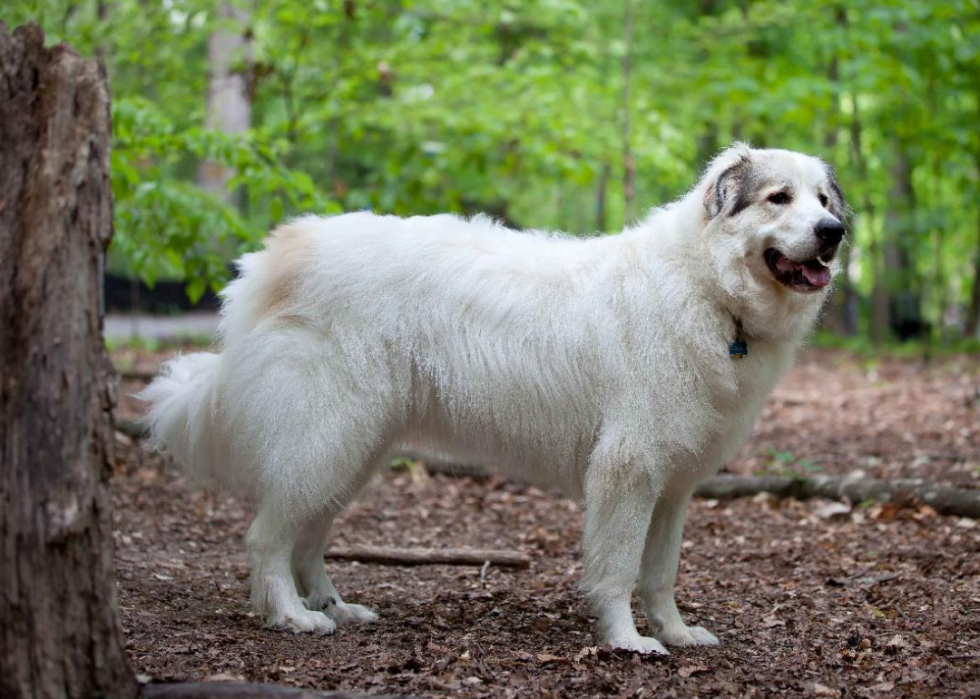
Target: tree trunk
229 109
972 326
900 281
59 636
600 199
629 164
842 318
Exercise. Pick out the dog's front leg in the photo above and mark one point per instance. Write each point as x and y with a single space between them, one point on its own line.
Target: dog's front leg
619 504
658 573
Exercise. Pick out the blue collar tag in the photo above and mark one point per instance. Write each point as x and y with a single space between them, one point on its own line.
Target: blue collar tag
738 349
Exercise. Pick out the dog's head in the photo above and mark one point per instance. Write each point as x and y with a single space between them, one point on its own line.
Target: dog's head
774 219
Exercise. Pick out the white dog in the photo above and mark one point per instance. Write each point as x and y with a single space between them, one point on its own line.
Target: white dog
621 369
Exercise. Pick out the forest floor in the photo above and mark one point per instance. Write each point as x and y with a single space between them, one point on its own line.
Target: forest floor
807 600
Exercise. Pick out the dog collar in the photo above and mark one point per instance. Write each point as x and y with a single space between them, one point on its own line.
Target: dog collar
739 347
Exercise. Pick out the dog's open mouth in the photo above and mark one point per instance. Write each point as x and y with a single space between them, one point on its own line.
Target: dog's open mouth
809 275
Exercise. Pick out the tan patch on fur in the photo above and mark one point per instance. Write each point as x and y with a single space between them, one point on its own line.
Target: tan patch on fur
289 250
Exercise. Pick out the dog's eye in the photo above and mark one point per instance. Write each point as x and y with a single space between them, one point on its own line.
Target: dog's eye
780 198
823 200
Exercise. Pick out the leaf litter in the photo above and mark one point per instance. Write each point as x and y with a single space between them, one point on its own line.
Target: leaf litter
807 598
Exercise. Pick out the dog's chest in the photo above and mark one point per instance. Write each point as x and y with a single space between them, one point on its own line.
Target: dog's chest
754 377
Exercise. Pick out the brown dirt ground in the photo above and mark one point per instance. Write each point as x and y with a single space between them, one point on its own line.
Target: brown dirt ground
875 602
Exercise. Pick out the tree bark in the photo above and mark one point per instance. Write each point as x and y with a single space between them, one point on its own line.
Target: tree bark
59 636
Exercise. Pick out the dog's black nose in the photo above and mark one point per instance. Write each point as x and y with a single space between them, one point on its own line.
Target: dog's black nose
830 231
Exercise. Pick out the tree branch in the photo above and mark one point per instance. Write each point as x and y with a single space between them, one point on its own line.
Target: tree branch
384 555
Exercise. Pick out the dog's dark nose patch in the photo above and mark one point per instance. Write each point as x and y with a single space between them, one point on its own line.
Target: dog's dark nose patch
829 231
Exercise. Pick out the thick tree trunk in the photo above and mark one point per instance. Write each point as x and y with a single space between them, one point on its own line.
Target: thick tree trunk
59 636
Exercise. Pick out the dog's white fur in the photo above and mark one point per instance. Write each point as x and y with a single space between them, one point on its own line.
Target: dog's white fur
598 366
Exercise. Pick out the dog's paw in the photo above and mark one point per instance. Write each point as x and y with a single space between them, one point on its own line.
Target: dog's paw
306 621
352 614
688 636
639 644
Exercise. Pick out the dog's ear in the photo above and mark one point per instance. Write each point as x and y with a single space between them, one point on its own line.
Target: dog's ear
727 187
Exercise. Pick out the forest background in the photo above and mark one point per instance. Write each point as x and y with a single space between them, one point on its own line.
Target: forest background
558 114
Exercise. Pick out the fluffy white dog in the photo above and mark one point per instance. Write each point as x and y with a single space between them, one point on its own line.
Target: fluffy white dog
621 369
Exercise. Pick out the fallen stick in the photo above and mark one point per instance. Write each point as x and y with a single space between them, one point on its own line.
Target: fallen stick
905 492
135 375
383 555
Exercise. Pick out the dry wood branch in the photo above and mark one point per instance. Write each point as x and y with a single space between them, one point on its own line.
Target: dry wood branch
906 492
383 555
245 690
136 375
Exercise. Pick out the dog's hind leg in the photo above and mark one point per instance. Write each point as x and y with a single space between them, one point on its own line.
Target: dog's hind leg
271 541
313 582
619 501
658 573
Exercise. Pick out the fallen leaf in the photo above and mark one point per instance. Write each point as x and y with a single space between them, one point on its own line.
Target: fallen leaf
898 641
833 510
689 670
549 658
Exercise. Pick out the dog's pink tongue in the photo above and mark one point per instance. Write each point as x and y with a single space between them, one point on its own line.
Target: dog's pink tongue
817 276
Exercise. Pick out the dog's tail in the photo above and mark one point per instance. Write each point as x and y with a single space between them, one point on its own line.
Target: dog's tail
184 416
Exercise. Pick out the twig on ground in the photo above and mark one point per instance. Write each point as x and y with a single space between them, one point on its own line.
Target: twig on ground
135 375
384 555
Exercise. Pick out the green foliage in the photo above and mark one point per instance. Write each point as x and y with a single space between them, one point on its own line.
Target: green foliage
518 109
192 342
165 224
